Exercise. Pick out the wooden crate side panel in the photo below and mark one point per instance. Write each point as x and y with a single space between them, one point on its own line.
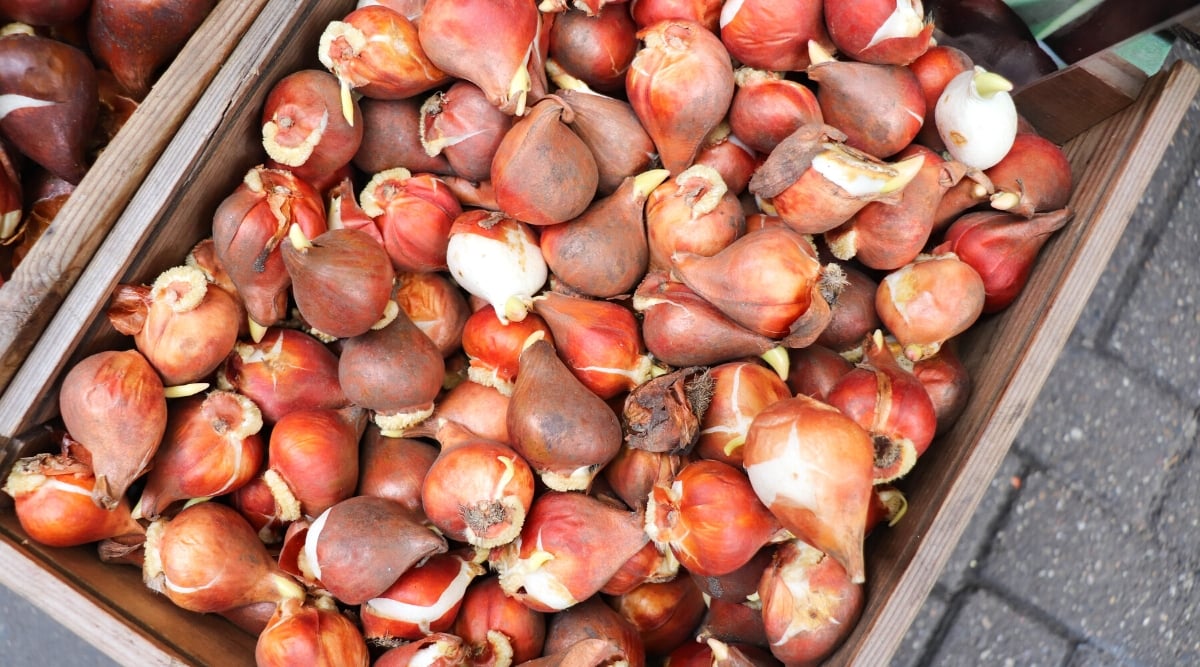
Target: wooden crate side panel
40 282
1010 357
216 145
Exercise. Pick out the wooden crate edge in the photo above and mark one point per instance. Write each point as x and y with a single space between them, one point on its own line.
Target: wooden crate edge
879 641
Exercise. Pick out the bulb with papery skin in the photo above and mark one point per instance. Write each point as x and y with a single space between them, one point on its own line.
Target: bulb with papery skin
52 501
1034 176
598 340
478 491
570 546
809 603
497 59
51 100
593 618
610 129
740 390
564 430
312 460
596 49
542 172
287 370
184 325
928 301
710 517
680 84
694 212
304 128
425 599
767 108
360 546
211 447
497 627
207 558
303 634
815 182
341 280
137 40
814 468
414 213
377 52
462 126
113 403
494 346
773 34
893 32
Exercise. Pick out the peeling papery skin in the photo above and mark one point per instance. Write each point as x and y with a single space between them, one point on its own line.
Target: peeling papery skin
359 547
248 226
813 467
887 236
773 34
497 258
211 447
436 305
929 301
814 182
694 212
809 604
600 342
680 84
113 403
893 32
439 649
563 430
48 102
497 59
208 559
570 546
741 389
376 51
425 599
53 502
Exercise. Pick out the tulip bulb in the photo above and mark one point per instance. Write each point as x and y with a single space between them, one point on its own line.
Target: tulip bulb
498 259
976 117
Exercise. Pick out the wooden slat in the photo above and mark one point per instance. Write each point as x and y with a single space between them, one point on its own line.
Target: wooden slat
1073 99
1010 357
214 148
40 282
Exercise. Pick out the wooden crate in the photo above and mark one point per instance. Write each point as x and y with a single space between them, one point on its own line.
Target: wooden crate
1009 354
39 285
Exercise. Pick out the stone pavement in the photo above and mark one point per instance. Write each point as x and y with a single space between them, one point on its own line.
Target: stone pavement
1085 551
